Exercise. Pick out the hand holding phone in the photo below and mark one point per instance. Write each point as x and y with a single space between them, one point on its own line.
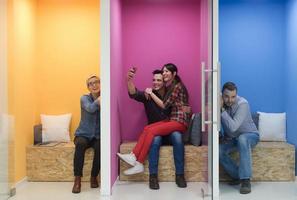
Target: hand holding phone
134 69
131 73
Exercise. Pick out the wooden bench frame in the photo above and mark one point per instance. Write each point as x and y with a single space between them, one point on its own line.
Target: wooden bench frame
272 161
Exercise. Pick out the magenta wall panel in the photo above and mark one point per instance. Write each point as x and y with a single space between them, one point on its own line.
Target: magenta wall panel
116 83
205 46
148 34
155 33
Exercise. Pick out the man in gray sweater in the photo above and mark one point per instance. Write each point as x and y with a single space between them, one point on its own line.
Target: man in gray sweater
239 134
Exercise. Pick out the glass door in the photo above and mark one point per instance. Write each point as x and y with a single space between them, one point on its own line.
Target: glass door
4 147
216 98
210 98
4 178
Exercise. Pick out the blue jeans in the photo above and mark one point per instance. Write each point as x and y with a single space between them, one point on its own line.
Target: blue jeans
178 152
243 144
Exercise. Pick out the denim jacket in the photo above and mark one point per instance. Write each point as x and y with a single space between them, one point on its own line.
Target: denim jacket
89 125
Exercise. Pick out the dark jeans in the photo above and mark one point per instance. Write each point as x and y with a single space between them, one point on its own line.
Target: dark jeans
81 145
175 139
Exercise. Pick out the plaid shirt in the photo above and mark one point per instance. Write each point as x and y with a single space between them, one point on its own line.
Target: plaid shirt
176 100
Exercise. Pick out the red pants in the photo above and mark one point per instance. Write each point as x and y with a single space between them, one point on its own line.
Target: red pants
145 140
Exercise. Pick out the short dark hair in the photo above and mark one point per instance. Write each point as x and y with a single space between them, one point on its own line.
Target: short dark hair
157 71
229 86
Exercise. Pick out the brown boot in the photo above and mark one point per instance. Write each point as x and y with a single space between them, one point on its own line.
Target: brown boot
77 185
94 182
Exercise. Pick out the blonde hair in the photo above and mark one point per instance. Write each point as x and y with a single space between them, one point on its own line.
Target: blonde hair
91 76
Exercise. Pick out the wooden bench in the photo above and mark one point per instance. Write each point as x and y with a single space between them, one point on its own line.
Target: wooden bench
272 161
55 163
195 164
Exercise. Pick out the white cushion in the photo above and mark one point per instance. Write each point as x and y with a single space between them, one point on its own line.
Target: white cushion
272 126
55 128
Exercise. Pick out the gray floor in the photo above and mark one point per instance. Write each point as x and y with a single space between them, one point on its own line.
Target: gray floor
168 191
3 197
261 191
121 191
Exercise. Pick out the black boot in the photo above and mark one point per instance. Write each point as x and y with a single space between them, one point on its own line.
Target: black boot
154 183
245 187
180 180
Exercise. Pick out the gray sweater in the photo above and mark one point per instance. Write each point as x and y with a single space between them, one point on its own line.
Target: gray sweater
237 119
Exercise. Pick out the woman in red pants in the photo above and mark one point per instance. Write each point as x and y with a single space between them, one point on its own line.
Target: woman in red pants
175 100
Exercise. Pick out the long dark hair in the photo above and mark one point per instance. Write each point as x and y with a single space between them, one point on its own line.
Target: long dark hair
173 68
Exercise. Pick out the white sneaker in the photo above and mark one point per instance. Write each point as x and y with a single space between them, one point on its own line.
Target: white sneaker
128 158
138 168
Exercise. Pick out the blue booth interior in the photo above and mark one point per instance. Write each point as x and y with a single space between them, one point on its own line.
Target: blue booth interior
258 51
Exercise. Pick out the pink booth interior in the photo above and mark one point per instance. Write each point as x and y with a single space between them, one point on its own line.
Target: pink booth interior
147 34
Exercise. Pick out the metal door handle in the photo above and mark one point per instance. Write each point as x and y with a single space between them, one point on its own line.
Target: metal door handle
202 96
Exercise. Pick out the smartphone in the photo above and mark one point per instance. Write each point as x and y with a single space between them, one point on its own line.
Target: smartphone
134 69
